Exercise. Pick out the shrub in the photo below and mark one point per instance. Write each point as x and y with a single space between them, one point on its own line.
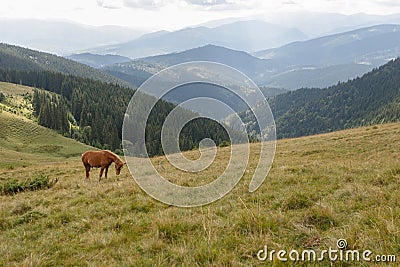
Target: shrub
13 186
224 143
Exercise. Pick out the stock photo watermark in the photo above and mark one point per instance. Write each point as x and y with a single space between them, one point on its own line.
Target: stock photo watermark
237 93
338 254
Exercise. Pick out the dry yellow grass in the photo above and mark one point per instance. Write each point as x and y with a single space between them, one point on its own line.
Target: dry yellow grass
320 188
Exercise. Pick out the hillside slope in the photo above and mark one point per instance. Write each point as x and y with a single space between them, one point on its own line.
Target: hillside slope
18 58
372 99
93 112
22 141
320 189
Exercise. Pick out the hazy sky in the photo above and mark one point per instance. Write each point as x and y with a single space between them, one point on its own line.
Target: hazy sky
174 14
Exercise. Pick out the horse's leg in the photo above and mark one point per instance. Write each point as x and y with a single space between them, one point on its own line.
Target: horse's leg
87 173
105 174
101 173
87 168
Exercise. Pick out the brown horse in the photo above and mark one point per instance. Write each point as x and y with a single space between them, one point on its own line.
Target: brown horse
101 159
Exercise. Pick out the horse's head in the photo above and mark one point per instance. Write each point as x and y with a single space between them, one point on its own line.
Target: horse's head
118 166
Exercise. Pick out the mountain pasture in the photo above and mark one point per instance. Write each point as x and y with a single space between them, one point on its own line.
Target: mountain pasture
321 188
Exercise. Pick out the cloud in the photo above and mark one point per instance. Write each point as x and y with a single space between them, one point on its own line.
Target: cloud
157 4
390 3
220 5
109 4
145 4
207 2
248 6
289 3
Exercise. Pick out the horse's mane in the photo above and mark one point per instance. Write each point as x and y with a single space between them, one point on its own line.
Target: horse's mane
114 156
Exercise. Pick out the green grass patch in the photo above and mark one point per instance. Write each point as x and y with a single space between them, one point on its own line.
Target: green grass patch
321 218
298 201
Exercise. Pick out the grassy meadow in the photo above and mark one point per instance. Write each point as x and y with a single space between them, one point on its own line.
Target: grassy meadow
321 188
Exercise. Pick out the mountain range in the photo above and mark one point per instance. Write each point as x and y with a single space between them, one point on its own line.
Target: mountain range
373 98
318 24
370 45
251 35
290 59
318 62
61 37
246 34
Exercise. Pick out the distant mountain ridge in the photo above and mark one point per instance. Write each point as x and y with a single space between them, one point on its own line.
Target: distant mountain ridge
66 37
251 35
238 59
61 37
319 62
365 45
137 71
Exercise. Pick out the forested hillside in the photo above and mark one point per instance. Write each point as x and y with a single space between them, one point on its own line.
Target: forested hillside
98 61
371 99
93 112
18 58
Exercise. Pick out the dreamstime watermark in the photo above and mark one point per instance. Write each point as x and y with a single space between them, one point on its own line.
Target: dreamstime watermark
199 90
340 253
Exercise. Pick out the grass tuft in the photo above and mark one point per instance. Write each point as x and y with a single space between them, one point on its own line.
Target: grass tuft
321 218
29 217
298 201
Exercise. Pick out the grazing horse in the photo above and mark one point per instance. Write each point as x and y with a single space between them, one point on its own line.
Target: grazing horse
101 159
